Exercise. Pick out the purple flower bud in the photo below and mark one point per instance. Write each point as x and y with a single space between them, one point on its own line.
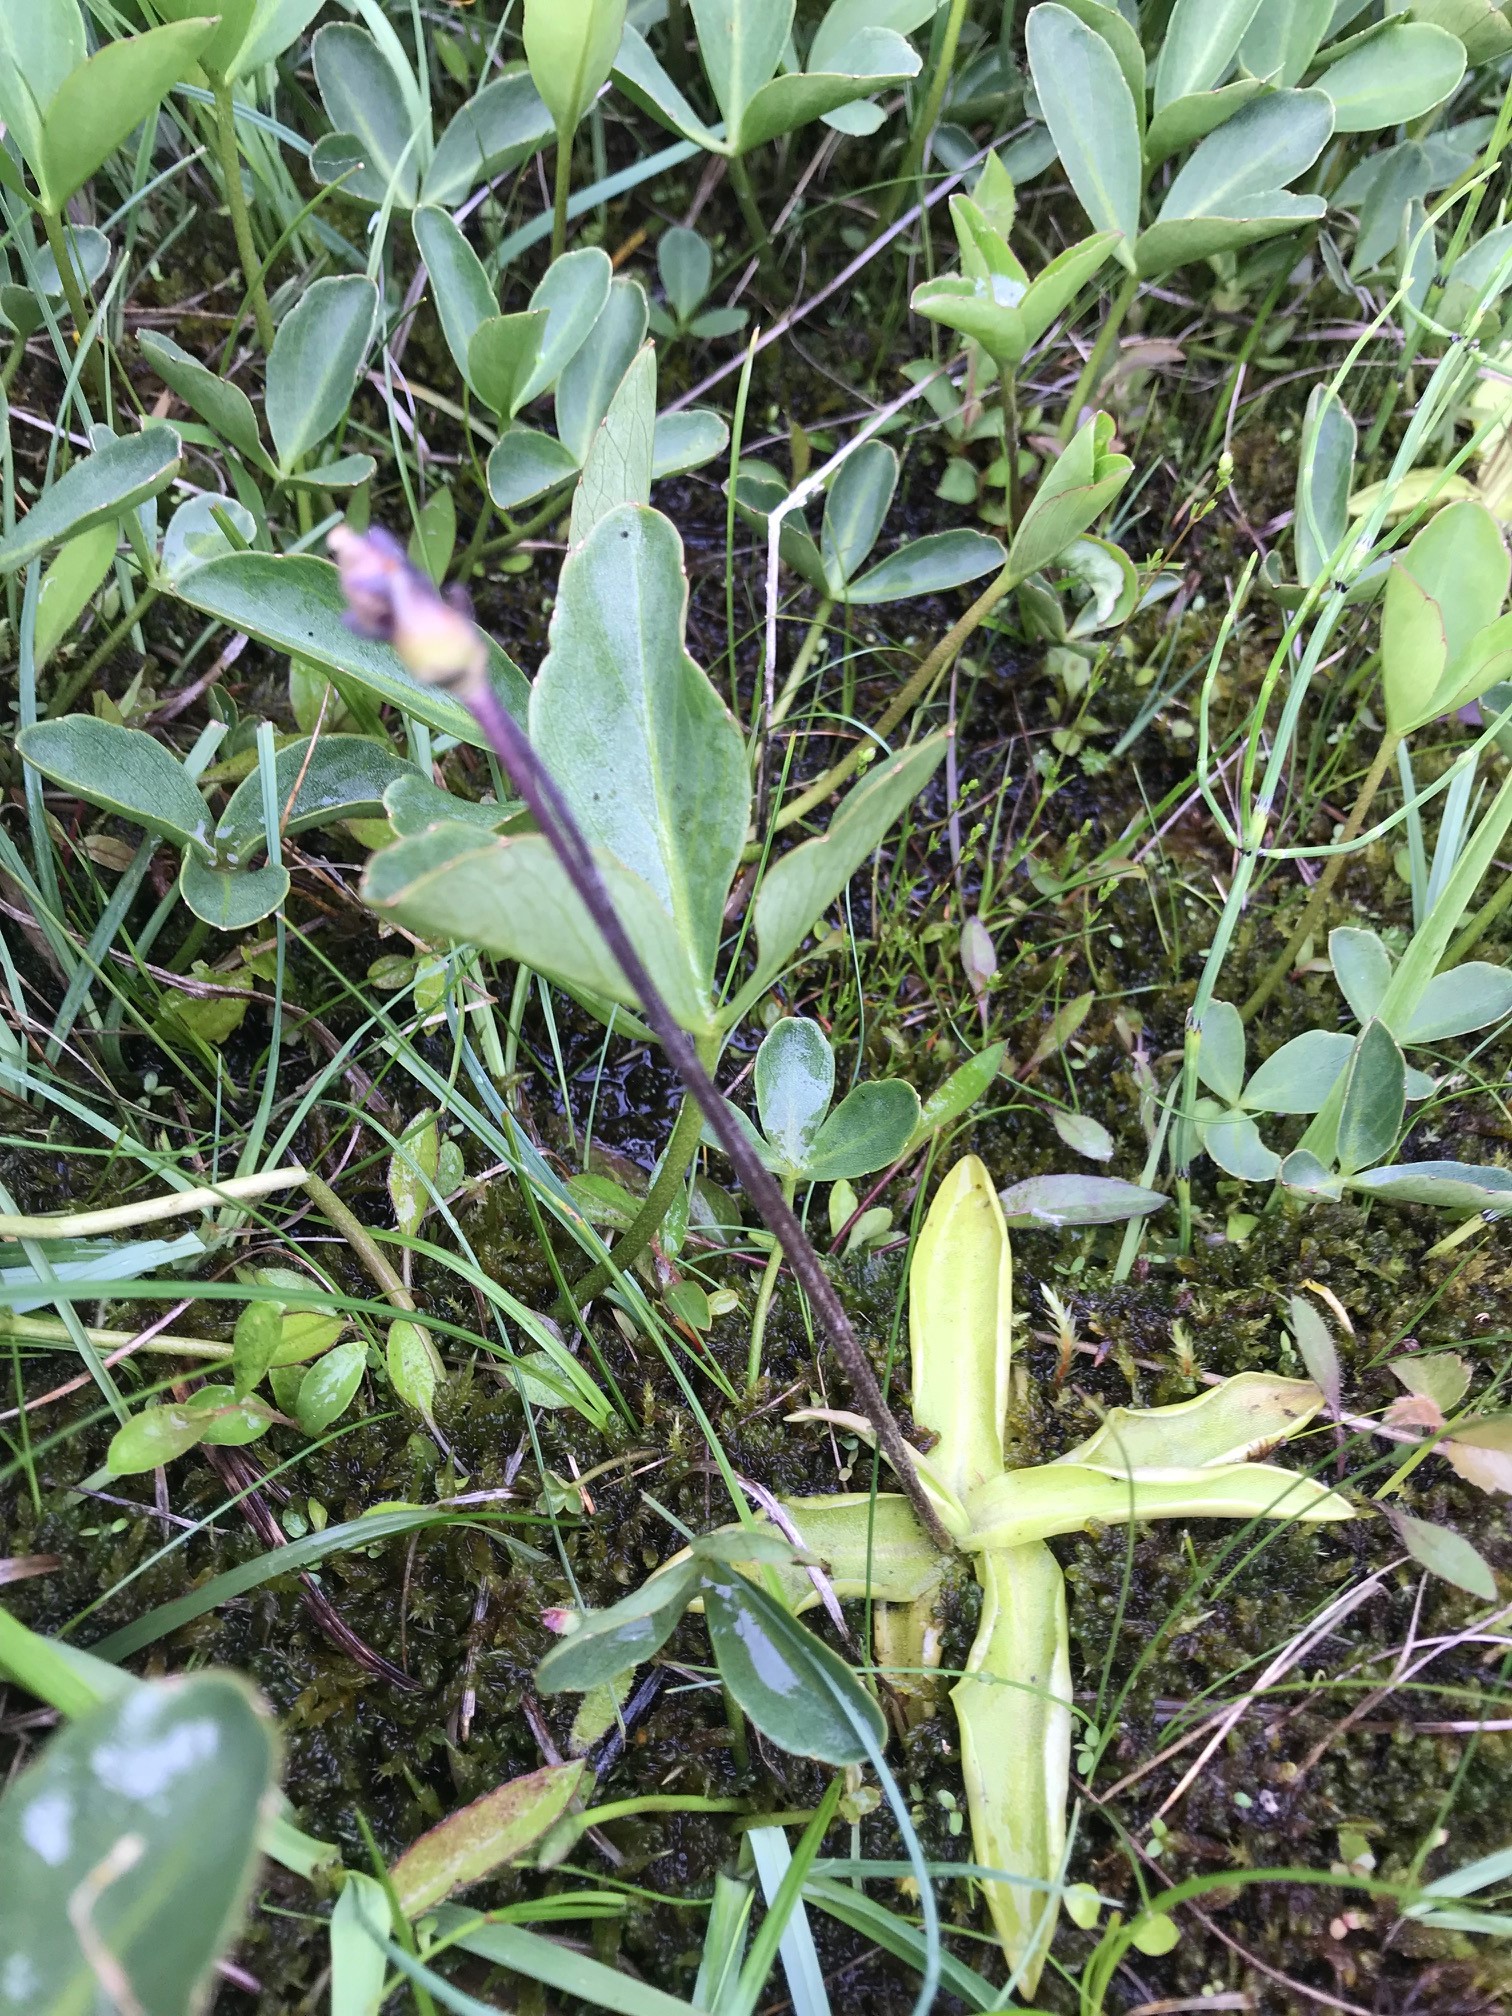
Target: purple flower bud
388 599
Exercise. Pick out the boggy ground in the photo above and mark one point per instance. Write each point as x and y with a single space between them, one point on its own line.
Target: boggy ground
1371 1737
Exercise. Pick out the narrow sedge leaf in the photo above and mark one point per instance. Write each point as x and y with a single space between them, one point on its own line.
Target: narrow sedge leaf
960 1327
360 1924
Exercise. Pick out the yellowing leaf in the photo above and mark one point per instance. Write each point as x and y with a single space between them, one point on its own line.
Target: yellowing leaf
1014 1708
470 1844
1482 1454
960 1313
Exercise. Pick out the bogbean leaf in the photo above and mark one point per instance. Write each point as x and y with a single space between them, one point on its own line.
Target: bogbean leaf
927 566
795 1081
1299 1076
492 133
1468 997
1186 120
960 1324
315 360
1076 1201
366 99
592 377
1283 37
1449 1186
1445 590
1200 43
1362 967
1232 189
686 266
1229 1423
740 43
293 603
328 1388
646 84
1072 494
496 1829
216 400
196 533
1233 1141
147 1808
122 770
858 500
1220 1054
89 257
1446 1554
1013 1706
1400 73
464 298
571 46
105 485
501 358
618 695
525 464
572 296
872 57
1091 114
70 581
1375 1094
100 101
512 897
687 440
868 1130
317 783
801 885
618 468
609 1642
231 899
1325 476
799 1694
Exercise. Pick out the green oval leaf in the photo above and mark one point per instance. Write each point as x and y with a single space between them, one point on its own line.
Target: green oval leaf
121 770
107 484
1091 115
1374 1098
138 1826
1401 73
609 1642
799 1694
328 1388
315 360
